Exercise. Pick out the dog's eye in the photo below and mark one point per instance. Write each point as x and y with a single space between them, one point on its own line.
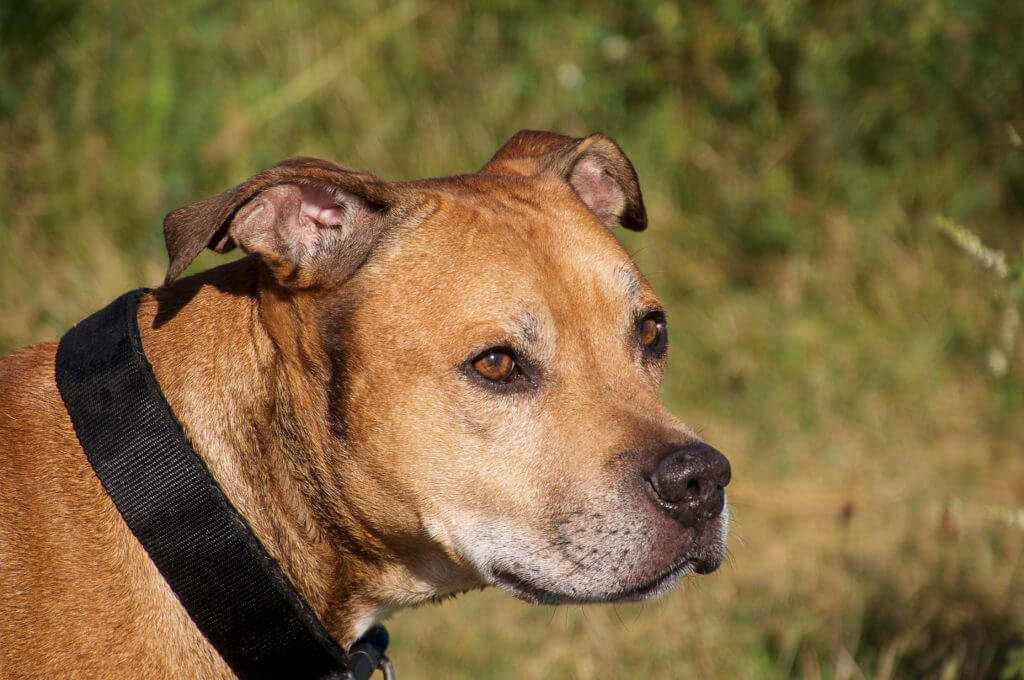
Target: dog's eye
651 330
496 365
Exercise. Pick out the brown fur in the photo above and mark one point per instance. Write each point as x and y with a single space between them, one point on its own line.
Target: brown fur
326 381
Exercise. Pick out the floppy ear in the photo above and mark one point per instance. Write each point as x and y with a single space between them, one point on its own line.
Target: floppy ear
595 166
308 219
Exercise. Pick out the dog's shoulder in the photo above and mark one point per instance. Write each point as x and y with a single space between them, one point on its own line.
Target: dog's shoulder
26 387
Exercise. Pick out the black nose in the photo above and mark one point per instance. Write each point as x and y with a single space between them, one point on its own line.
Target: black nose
691 481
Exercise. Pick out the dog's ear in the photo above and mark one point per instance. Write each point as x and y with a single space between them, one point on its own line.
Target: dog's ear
308 220
594 166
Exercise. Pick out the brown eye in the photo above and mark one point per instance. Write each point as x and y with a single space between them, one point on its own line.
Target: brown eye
650 331
496 365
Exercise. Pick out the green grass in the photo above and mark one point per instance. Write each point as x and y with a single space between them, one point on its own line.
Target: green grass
794 158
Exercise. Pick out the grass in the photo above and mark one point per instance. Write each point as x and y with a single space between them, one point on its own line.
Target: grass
794 158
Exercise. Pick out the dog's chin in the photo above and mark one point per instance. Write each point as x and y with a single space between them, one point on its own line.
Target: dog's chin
529 591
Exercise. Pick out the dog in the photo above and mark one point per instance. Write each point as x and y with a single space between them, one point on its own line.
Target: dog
409 390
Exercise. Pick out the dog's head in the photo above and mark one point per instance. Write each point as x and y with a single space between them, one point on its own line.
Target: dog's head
482 360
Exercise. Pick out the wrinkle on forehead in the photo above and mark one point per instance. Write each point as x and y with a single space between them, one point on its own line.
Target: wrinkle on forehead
527 329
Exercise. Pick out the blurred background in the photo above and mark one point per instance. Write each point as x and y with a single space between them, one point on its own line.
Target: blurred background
836 194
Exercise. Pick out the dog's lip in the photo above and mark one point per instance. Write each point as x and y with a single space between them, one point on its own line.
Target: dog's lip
526 590
686 566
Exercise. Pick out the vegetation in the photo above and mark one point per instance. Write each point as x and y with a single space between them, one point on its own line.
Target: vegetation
795 158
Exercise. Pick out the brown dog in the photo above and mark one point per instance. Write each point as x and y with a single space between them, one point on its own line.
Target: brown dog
408 390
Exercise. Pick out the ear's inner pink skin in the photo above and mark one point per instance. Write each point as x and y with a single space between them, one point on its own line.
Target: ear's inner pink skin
321 207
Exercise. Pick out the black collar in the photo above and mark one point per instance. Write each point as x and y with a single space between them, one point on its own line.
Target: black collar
232 588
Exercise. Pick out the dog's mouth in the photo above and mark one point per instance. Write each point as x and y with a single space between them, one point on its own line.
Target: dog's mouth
702 554
533 593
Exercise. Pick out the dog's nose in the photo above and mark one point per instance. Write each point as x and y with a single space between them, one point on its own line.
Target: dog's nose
691 481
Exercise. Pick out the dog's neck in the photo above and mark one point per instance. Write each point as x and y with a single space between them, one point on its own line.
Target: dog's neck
243 374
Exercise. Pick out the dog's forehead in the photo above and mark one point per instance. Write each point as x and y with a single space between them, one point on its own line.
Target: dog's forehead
498 261
520 232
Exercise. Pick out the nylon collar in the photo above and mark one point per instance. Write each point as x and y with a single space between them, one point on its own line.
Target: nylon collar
235 592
